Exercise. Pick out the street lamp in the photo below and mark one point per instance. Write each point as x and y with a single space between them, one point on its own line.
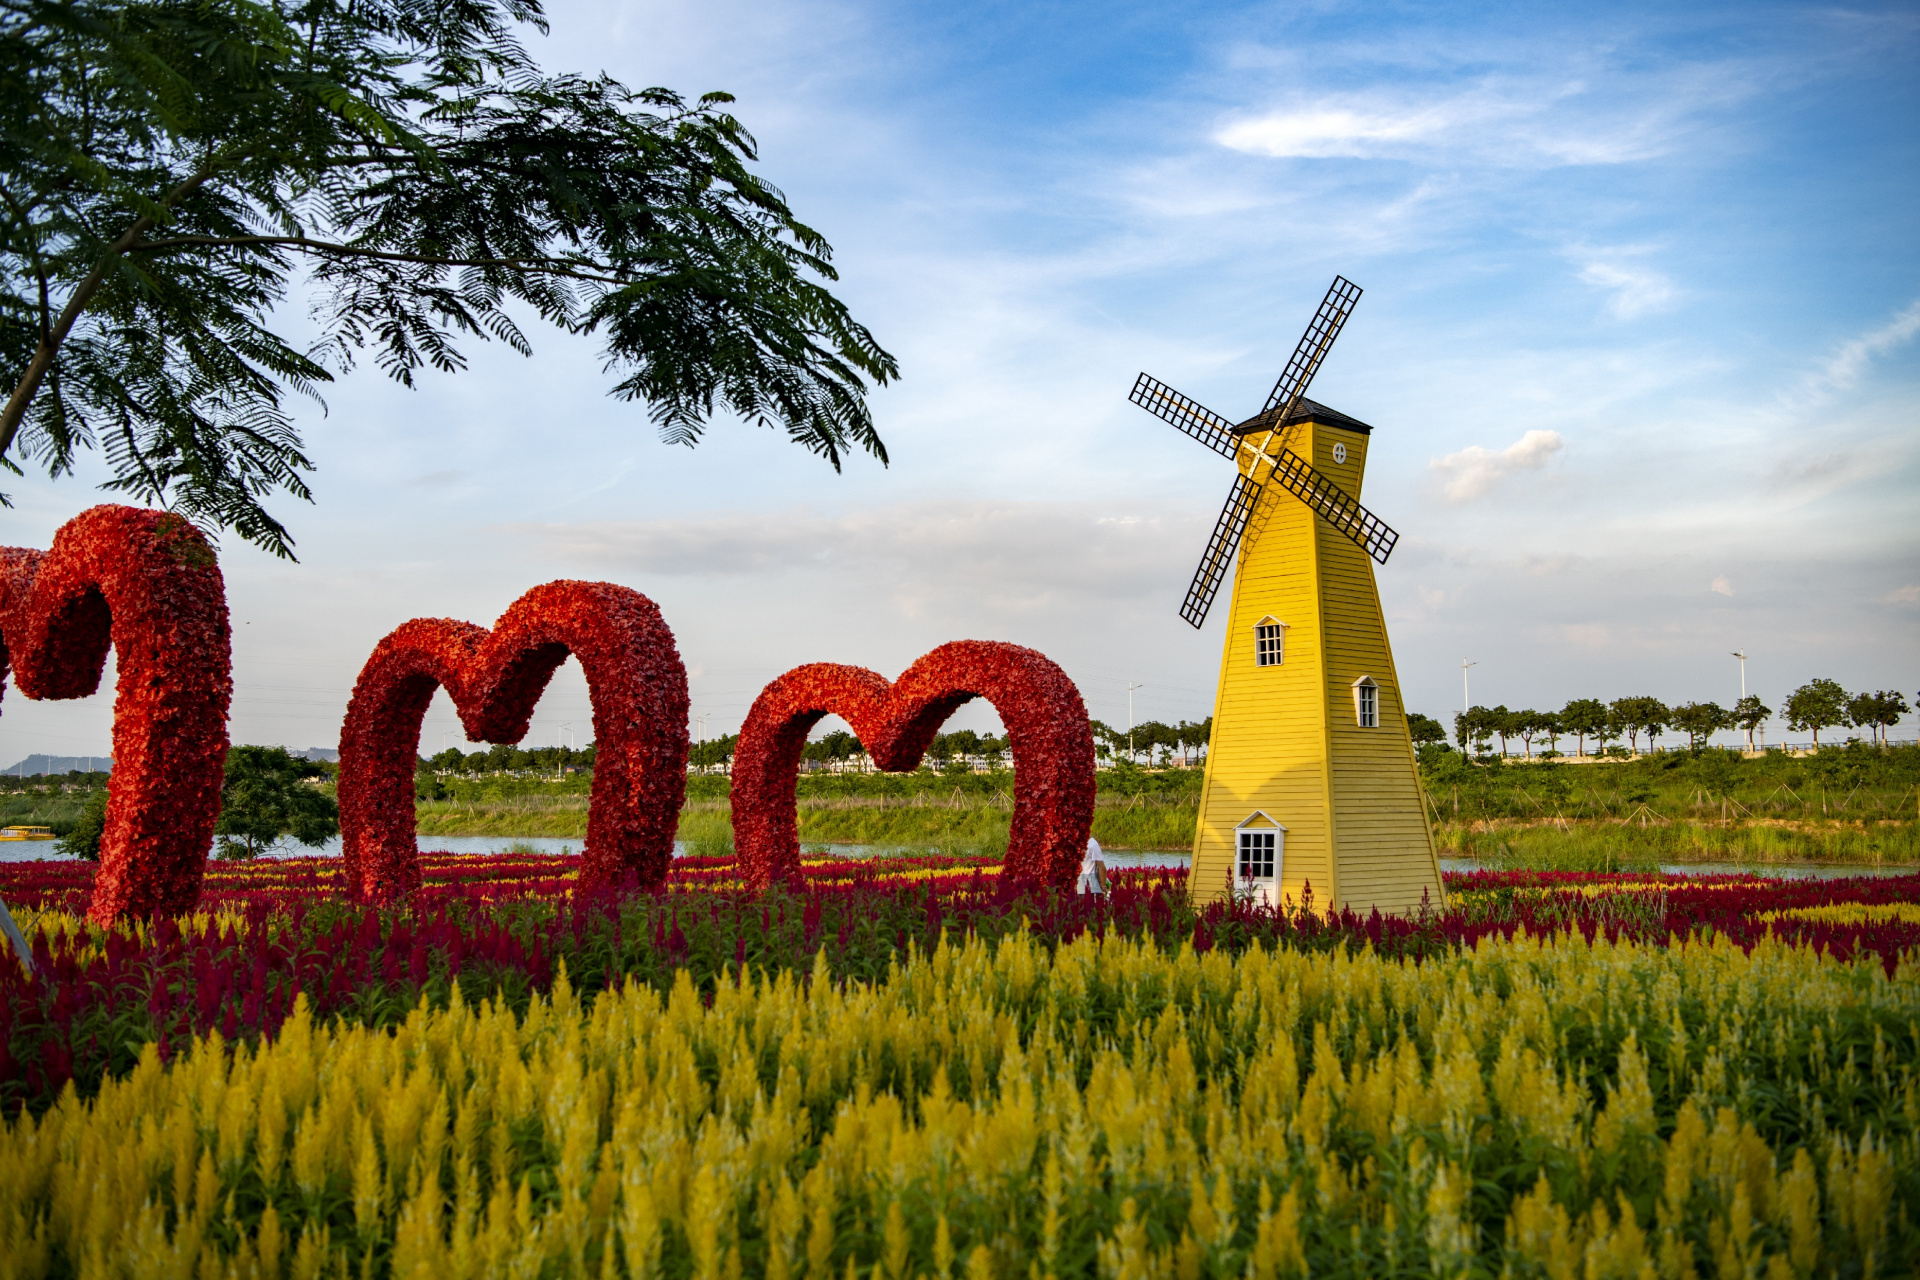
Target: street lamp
1130 688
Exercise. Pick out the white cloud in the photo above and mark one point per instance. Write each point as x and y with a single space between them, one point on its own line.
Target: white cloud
1636 290
1507 122
1475 470
1721 586
1361 130
1845 366
1909 594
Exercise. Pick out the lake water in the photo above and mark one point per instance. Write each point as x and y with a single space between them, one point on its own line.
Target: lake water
28 850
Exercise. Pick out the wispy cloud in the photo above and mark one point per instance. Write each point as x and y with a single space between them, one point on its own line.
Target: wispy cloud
1844 368
1722 586
1475 470
1637 290
1909 594
1537 122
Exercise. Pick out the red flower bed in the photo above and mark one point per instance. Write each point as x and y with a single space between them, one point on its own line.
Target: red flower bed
1047 731
1655 907
502 924
146 584
639 691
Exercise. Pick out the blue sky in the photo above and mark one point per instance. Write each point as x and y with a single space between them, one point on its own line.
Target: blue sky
1640 342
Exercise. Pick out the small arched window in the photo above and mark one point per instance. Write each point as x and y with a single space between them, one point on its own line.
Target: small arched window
1366 702
1269 642
1260 851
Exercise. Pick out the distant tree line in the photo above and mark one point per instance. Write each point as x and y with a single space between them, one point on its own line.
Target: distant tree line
1149 742
52 783
1153 743
1817 705
506 758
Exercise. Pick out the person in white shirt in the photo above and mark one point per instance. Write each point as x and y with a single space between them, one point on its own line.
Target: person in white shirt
1093 871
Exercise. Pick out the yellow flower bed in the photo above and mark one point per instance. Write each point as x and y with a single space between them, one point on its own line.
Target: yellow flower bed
1851 913
1532 1108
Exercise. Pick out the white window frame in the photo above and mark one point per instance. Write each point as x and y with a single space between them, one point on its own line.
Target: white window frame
1366 703
1269 650
1259 888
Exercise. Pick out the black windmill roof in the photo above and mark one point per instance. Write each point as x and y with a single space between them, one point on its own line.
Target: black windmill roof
1304 410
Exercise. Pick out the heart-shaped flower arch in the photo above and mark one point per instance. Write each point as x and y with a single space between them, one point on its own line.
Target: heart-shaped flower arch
147 585
639 691
1047 730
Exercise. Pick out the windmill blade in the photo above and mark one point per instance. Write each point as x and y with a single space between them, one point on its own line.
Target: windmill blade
1220 548
1327 322
1198 421
1336 506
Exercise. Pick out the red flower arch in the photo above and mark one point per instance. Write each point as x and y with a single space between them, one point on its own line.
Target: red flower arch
147 585
1047 730
639 690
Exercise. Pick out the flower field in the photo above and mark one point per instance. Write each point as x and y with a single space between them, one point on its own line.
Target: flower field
907 1069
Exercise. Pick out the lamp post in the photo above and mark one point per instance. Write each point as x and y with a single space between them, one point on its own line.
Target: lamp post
1130 688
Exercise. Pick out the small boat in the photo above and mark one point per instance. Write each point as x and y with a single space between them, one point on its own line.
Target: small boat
26 833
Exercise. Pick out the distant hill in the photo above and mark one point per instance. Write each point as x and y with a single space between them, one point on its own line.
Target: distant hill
38 763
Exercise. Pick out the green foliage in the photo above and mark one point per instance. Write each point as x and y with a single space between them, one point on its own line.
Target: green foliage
53 801
83 841
713 751
1816 705
1876 712
268 794
1844 804
1425 730
172 167
1584 718
1749 714
1631 717
1700 721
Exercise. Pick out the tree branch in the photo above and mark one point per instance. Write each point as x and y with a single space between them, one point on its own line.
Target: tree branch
49 345
549 266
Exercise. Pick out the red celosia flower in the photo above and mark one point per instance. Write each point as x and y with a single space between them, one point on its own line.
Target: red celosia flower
639 690
1047 730
146 584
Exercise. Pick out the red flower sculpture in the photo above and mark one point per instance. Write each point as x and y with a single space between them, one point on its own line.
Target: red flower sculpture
639 690
1046 726
147 585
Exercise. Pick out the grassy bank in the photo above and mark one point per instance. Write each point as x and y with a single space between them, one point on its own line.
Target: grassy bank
47 802
972 824
1616 846
978 824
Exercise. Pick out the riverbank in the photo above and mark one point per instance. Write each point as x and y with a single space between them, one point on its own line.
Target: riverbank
958 821
1167 823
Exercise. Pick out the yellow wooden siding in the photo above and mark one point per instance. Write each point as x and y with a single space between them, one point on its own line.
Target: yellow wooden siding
1386 855
1286 741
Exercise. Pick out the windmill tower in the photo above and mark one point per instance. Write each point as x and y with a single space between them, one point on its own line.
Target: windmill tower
1310 774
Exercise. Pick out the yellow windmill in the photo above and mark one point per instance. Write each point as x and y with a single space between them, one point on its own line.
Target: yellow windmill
1310 773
